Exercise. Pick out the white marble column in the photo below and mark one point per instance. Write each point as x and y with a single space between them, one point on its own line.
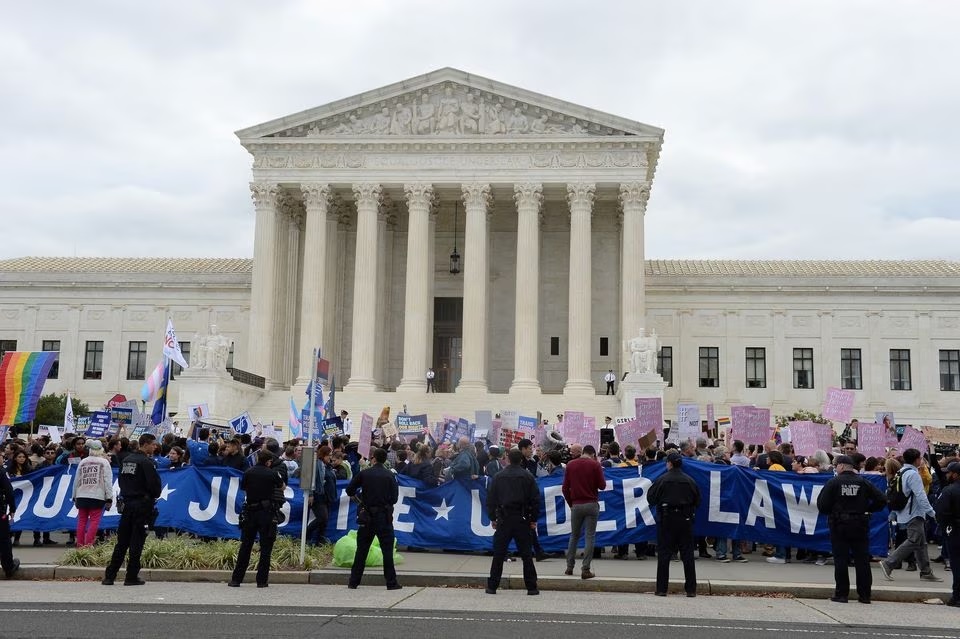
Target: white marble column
263 285
580 197
364 341
316 201
633 201
526 350
476 200
332 299
417 291
281 290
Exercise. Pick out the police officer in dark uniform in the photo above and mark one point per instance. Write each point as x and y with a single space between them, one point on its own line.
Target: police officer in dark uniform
7 508
948 516
377 491
847 500
260 516
139 491
676 497
513 505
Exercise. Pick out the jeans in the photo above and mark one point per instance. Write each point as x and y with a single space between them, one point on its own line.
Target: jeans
583 518
317 530
914 545
722 548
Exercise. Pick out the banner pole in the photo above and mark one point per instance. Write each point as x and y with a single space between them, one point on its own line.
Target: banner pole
311 423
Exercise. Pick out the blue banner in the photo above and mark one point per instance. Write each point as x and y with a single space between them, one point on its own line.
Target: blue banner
769 507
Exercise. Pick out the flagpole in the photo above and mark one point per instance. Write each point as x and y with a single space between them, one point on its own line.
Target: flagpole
311 422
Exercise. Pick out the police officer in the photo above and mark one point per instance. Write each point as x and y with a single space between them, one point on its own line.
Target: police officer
259 517
376 491
7 508
676 497
139 491
948 516
513 505
847 500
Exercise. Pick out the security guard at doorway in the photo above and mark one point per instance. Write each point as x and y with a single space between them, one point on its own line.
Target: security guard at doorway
847 500
676 497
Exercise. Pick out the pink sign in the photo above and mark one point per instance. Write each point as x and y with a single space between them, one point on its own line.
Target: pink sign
804 437
912 438
824 433
711 418
591 437
838 404
630 432
571 425
871 441
650 414
366 435
750 425
495 427
508 438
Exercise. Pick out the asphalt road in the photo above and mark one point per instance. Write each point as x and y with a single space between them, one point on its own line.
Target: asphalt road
164 621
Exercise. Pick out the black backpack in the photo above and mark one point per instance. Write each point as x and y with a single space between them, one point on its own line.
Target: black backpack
896 498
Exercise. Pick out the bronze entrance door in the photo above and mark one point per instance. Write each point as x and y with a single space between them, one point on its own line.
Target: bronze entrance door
447 342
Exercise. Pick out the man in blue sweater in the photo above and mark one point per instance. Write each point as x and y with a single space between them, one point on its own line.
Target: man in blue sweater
912 518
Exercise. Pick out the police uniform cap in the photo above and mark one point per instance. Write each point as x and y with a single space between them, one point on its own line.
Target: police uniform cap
953 467
674 458
842 459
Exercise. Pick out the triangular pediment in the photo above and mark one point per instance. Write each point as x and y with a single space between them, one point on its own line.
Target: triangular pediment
449 103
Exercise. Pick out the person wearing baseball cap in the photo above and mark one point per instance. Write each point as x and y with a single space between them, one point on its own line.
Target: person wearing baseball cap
676 497
948 516
847 500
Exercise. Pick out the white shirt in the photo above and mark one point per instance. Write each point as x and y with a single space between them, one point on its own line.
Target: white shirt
347 426
431 374
609 377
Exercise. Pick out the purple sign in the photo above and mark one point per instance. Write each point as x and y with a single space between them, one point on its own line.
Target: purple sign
366 435
650 414
838 404
630 432
711 418
571 425
871 440
750 425
803 436
912 438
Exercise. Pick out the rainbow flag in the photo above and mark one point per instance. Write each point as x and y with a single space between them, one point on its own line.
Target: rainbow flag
22 376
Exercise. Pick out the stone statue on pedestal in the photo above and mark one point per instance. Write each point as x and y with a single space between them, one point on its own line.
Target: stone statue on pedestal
643 353
210 351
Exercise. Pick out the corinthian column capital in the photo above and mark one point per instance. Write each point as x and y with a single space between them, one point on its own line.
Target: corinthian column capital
634 194
581 194
476 195
264 194
419 194
528 194
316 195
367 193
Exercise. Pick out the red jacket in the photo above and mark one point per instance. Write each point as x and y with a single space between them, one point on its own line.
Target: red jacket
582 481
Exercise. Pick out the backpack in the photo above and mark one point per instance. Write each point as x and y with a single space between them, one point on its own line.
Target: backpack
896 498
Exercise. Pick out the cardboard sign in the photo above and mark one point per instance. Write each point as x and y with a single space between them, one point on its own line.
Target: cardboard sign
510 419
649 411
711 417
871 440
942 435
750 425
838 404
804 437
912 438
688 421
366 435
630 432
571 425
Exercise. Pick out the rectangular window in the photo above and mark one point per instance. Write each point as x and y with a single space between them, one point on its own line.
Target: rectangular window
7 345
93 361
950 370
900 369
709 367
665 364
604 347
851 377
137 360
554 345
803 368
756 368
176 369
53 345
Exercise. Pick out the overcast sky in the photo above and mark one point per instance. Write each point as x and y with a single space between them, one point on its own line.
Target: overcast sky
810 129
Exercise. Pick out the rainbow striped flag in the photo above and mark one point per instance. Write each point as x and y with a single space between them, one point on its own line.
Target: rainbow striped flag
22 376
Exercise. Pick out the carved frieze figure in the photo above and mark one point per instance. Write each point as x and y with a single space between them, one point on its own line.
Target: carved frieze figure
380 124
449 110
518 122
424 114
402 120
539 125
469 116
494 120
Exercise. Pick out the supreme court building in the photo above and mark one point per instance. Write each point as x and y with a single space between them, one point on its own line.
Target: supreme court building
497 236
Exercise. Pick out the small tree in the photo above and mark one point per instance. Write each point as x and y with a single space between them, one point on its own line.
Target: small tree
50 409
805 416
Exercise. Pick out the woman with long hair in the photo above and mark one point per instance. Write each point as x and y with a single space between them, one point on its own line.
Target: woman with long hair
92 492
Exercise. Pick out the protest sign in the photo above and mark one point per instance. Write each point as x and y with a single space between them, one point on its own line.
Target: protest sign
571 425
649 412
98 425
630 432
196 412
871 441
121 416
411 426
366 435
688 421
912 438
589 433
943 435
824 435
484 421
4 433
711 417
527 424
508 438
890 428
750 425
510 419
241 423
838 404
804 437
55 437
332 426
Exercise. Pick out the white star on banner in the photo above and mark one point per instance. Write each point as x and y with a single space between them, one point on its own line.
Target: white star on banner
166 492
442 510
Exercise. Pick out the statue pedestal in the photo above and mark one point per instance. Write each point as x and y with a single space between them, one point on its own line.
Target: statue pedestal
224 397
639 385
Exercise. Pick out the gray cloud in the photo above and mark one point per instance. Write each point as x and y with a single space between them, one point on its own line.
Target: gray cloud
809 129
